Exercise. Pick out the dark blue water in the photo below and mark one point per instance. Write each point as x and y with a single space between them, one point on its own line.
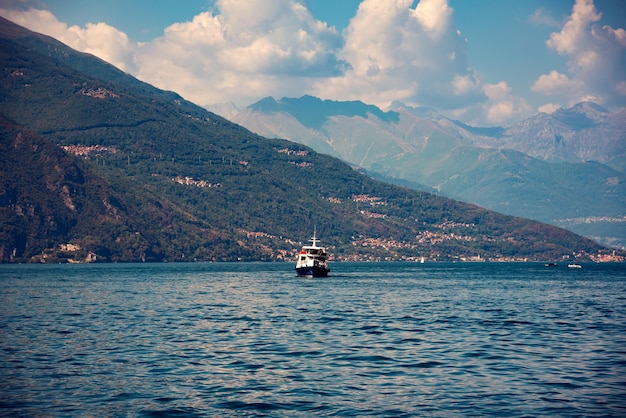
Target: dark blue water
389 339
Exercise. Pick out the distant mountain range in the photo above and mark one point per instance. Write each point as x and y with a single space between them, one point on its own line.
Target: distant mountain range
565 168
98 166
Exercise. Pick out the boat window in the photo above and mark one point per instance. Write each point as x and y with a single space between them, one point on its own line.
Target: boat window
302 258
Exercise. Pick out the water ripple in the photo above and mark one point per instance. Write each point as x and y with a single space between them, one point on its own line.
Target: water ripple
250 339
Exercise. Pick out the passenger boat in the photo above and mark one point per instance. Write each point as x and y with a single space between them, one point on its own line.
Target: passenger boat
312 260
574 266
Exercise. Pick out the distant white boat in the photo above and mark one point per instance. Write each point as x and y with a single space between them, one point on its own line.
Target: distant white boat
312 260
574 266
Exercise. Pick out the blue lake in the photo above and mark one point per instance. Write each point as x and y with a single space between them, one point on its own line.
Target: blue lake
374 339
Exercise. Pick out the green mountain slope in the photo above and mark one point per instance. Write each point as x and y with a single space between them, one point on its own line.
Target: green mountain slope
96 164
55 207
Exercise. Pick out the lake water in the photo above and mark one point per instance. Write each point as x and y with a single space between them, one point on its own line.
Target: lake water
374 339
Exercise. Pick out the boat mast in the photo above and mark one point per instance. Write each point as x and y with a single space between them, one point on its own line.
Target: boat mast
314 236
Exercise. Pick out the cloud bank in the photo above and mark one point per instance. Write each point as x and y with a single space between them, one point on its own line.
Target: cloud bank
595 60
243 51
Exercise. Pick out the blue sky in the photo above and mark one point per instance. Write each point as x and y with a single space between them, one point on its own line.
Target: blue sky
484 62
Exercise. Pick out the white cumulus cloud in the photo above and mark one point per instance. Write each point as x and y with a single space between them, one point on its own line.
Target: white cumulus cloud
396 52
502 106
595 60
241 51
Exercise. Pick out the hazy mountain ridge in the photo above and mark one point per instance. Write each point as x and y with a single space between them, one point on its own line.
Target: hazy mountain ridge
540 168
133 173
584 132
